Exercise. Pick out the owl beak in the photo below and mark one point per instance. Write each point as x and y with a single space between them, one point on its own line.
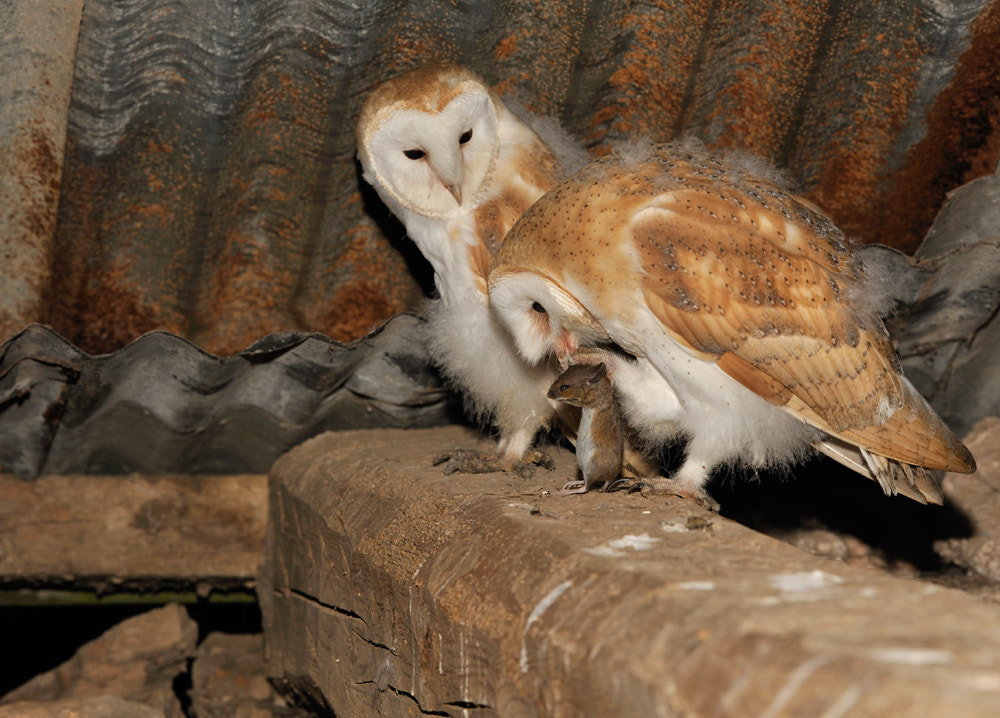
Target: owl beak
565 348
455 190
448 167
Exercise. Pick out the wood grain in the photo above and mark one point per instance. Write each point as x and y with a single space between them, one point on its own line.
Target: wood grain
389 589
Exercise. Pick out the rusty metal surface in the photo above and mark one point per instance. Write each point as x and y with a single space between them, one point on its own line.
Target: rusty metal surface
162 405
37 46
210 188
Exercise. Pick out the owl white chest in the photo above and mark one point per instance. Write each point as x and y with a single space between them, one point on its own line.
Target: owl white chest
670 392
448 246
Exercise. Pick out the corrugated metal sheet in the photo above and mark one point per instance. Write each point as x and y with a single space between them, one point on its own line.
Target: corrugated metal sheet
162 405
207 173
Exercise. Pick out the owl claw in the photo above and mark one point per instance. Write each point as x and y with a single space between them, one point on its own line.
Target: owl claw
525 468
471 461
676 487
467 461
579 486
626 484
537 457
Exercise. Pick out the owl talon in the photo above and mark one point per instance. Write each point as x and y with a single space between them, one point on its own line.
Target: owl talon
537 457
467 461
471 461
525 468
661 486
579 486
626 484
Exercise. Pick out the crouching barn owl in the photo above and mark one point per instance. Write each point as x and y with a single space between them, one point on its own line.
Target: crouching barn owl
457 167
729 313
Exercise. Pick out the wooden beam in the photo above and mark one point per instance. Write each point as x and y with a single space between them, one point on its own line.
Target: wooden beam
390 589
117 533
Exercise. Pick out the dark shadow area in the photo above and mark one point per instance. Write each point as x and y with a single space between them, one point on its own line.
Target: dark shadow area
45 635
822 494
394 231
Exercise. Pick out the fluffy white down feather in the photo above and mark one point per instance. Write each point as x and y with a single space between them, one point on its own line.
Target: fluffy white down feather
473 350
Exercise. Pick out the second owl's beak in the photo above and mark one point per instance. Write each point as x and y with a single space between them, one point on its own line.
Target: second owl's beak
565 348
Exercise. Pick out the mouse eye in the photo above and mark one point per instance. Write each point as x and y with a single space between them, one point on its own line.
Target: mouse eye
536 307
465 137
414 154
563 387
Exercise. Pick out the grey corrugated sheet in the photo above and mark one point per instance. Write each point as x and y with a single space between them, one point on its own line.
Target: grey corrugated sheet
163 405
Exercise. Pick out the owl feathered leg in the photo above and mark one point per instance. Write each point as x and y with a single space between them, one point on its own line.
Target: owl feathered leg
475 355
514 454
522 412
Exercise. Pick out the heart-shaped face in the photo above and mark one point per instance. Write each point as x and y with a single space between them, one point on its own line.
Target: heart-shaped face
434 161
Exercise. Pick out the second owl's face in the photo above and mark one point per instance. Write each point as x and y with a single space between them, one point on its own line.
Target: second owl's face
436 163
543 319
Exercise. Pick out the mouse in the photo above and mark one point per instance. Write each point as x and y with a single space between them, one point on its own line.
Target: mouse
600 439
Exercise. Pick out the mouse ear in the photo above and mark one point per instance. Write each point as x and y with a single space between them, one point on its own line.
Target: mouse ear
600 371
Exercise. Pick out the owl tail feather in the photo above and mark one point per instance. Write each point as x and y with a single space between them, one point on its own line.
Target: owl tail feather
894 477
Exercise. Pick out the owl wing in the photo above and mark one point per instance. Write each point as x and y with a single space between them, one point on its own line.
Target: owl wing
765 286
526 169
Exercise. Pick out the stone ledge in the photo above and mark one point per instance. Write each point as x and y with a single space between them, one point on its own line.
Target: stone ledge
389 589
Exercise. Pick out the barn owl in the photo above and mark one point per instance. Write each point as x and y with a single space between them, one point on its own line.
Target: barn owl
457 167
728 311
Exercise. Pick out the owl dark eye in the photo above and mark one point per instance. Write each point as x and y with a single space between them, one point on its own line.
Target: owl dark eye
414 154
465 137
536 307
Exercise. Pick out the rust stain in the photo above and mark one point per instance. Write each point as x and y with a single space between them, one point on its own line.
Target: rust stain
38 174
856 158
962 141
355 309
32 210
753 110
212 229
367 290
111 312
505 48
649 86
242 305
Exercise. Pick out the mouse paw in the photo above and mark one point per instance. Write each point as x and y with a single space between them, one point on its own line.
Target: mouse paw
573 487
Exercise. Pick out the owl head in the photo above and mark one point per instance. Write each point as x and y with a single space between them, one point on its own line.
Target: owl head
541 316
428 140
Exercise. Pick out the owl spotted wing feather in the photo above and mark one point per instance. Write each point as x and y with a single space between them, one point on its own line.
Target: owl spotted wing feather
755 286
523 182
763 287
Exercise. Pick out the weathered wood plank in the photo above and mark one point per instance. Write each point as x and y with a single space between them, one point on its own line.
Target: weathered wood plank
145 532
389 589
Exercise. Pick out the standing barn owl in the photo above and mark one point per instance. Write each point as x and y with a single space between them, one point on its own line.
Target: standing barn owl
457 167
728 312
